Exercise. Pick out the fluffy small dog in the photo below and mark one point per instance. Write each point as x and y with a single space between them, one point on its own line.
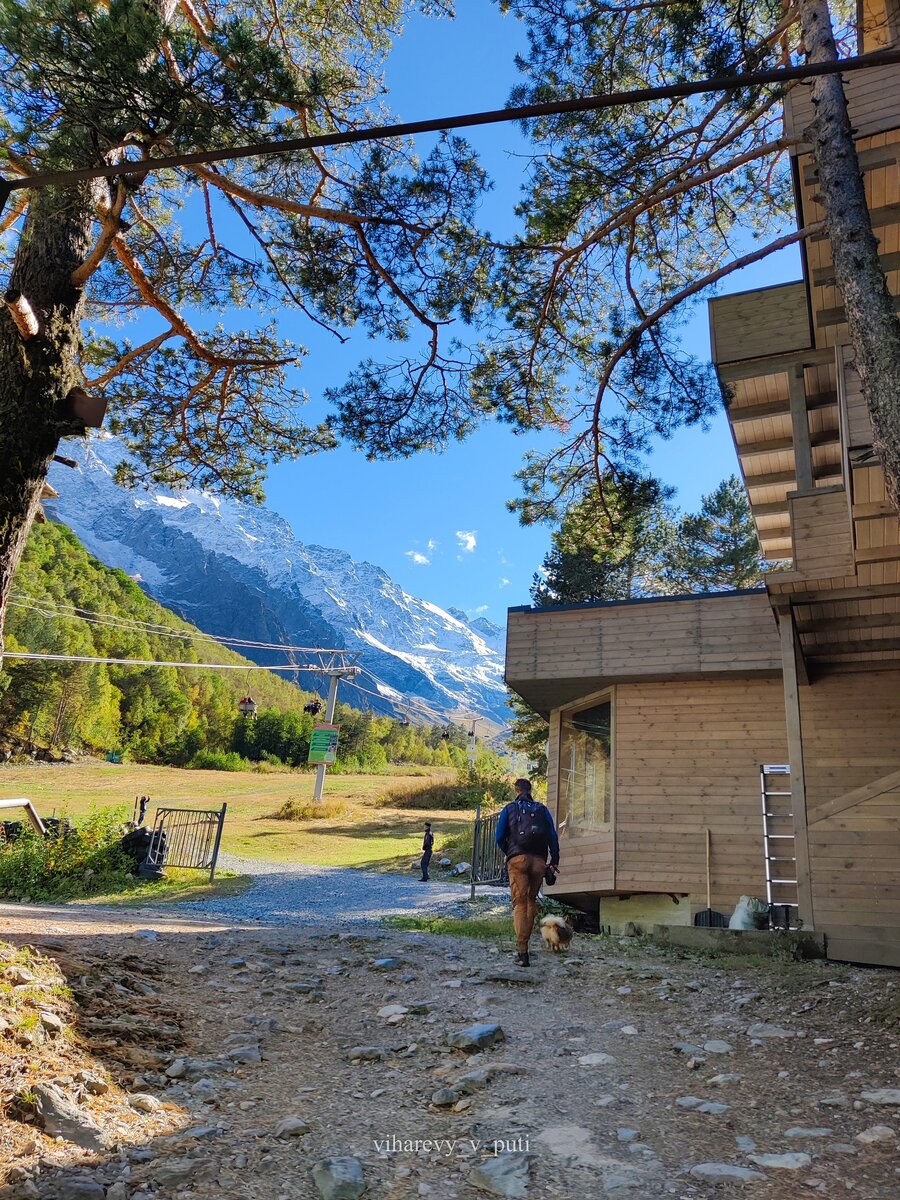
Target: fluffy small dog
556 932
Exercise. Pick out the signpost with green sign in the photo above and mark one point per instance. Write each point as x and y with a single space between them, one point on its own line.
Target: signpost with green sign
323 744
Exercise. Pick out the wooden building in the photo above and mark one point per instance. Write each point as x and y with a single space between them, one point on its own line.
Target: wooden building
663 711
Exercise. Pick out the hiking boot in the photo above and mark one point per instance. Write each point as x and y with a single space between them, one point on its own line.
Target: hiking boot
522 959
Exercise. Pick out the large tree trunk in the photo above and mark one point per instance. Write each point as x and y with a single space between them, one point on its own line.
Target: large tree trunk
36 374
874 326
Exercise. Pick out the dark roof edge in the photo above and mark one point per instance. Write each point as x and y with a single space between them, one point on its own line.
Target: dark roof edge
760 591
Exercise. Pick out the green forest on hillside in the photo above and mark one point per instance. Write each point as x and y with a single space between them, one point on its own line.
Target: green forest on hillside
180 716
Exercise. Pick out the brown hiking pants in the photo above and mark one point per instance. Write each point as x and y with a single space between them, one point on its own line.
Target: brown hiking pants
526 874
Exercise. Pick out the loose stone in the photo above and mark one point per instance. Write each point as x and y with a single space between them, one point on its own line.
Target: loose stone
475 1037
339 1178
763 1030
876 1133
504 1175
291 1127
725 1173
794 1161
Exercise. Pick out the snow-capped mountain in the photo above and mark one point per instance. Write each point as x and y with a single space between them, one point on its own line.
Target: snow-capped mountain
237 570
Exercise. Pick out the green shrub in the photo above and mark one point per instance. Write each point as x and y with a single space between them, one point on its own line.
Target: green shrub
83 860
219 760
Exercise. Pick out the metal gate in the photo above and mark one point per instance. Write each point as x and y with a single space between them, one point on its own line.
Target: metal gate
187 837
488 860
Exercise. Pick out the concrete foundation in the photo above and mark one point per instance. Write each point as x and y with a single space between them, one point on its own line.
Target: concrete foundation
643 912
797 943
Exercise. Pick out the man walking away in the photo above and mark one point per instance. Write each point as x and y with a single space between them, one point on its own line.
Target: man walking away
527 836
427 847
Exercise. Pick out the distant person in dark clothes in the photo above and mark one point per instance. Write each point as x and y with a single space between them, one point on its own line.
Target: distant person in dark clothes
427 848
527 836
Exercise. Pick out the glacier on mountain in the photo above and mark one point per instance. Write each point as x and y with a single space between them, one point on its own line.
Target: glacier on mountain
237 570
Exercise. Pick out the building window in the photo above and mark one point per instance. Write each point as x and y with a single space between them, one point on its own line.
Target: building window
585 767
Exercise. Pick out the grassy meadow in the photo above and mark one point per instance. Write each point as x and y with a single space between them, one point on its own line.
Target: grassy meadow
365 820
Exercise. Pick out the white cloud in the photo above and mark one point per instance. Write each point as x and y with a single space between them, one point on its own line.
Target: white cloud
505 582
482 608
467 539
431 545
504 561
419 559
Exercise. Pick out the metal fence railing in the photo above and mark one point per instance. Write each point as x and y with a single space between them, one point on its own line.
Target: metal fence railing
488 860
187 837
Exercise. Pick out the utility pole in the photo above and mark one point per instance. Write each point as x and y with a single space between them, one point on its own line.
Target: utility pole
335 674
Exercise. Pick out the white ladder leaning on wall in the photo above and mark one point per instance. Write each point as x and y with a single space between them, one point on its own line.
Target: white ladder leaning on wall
778 845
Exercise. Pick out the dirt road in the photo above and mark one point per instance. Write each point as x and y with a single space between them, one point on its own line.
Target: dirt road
618 1071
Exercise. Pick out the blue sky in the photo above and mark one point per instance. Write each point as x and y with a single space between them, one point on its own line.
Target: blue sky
438 523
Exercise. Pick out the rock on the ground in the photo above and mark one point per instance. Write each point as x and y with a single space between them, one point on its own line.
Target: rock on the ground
339 1178
392 1010
597 1059
291 1127
365 1054
792 1161
888 1096
876 1133
801 1131
716 1046
245 1054
503 1175
725 1173
475 1037
61 1117
81 1187
175 1171
144 1102
461 868
764 1030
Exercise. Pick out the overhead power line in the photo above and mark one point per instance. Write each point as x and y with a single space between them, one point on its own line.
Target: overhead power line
150 662
53 610
715 83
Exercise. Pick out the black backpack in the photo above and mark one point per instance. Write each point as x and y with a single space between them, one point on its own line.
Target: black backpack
528 829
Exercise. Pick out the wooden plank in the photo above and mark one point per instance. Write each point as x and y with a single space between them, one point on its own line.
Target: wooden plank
803 465
862 646
788 638
871 554
825 277
771 364
837 315
858 796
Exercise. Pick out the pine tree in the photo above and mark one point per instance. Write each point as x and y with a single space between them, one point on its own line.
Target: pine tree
367 234
716 549
633 214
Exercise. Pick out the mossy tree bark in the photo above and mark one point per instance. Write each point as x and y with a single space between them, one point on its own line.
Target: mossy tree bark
37 374
873 324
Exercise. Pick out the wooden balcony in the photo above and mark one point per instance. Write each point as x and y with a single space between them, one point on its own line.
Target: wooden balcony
555 656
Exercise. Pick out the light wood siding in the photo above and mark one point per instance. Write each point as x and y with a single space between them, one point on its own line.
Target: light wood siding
688 758
759 323
857 422
872 96
554 656
822 533
879 24
851 731
881 177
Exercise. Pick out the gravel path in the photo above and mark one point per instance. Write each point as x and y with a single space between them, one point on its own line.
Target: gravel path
302 895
